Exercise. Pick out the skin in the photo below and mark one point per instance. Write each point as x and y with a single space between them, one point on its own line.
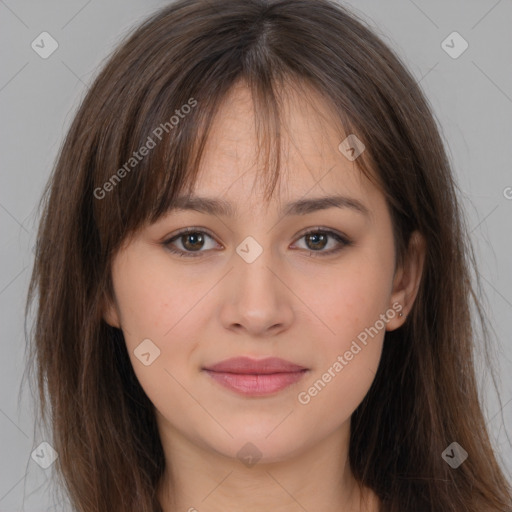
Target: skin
291 302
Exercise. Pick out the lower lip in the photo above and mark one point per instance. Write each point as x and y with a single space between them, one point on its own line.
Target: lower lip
256 385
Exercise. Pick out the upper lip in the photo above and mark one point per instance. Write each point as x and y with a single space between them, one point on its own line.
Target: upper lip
246 365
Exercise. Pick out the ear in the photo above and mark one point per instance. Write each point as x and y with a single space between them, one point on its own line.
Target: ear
407 280
111 313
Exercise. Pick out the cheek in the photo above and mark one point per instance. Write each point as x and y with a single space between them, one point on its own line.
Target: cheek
346 361
159 305
154 298
156 323
354 295
352 299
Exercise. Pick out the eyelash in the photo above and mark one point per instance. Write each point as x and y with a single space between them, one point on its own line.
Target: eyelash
343 240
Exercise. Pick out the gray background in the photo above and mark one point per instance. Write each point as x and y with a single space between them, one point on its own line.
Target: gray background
471 97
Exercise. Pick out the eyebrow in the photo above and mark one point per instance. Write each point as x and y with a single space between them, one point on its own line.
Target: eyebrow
220 207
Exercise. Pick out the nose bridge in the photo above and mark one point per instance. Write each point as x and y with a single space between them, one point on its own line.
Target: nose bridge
259 300
252 263
253 278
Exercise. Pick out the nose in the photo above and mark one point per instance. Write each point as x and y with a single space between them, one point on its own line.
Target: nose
258 302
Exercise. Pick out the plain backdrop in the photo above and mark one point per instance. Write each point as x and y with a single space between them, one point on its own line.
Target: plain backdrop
471 96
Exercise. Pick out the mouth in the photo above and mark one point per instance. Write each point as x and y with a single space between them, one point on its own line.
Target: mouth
251 377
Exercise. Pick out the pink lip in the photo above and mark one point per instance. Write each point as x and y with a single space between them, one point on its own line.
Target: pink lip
253 377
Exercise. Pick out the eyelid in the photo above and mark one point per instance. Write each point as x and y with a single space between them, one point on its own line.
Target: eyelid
175 236
323 229
185 231
340 237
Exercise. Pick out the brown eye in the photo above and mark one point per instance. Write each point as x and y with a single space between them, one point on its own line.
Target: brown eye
192 241
316 241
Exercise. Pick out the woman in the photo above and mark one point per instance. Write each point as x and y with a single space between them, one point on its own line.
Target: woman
216 330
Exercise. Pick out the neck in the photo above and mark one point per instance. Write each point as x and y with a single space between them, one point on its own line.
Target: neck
318 478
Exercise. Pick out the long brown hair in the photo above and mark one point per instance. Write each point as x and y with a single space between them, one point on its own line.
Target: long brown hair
193 52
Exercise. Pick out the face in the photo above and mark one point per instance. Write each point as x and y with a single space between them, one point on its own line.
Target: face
314 286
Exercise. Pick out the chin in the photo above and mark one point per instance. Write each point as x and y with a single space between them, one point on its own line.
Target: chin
251 447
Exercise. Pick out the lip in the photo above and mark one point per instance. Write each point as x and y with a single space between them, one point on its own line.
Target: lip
256 377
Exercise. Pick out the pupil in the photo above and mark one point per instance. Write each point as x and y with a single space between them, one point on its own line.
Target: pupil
318 237
196 238
318 240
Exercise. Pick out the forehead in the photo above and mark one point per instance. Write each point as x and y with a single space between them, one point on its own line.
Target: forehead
310 161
